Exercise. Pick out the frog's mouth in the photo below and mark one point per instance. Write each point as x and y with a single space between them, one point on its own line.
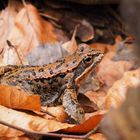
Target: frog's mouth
88 70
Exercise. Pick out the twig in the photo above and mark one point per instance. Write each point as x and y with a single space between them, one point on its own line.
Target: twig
35 133
14 47
49 17
92 131
24 3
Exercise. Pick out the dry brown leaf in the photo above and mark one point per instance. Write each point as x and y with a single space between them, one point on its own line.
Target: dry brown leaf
9 132
97 97
38 124
69 20
103 47
7 21
30 123
92 120
48 54
97 136
87 104
70 139
17 138
58 112
71 46
110 71
27 30
99 46
21 138
117 93
13 97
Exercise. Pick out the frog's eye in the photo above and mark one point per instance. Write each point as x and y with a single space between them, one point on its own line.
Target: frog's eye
88 59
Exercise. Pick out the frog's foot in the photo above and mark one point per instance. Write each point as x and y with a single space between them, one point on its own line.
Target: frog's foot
72 107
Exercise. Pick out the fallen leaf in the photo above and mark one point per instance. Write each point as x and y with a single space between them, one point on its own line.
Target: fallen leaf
58 112
87 103
7 21
27 31
125 52
97 97
91 83
117 93
48 54
70 139
18 138
97 136
103 47
110 71
92 120
69 20
99 46
71 46
7 132
13 97
30 123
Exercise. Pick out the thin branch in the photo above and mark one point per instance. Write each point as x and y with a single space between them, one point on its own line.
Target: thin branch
49 17
92 131
31 132
15 48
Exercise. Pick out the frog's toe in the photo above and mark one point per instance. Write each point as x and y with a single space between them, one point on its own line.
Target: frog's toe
76 114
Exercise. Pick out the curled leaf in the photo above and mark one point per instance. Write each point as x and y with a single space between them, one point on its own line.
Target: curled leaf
117 93
92 120
30 123
7 132
13 97
110 71
27 30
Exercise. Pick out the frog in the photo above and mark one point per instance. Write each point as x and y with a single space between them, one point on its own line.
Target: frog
56 83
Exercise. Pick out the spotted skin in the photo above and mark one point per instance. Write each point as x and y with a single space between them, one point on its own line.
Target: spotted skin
56 83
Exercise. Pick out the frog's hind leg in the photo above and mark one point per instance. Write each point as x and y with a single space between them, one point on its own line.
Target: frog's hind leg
71 105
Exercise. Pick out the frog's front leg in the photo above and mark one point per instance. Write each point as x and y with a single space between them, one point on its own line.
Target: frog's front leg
71 106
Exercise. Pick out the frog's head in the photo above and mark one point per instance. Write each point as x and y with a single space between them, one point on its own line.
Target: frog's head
89 58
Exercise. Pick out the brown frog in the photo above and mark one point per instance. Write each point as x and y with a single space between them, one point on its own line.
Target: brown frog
58 82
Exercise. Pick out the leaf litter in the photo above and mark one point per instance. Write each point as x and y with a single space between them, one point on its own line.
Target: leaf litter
32 35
